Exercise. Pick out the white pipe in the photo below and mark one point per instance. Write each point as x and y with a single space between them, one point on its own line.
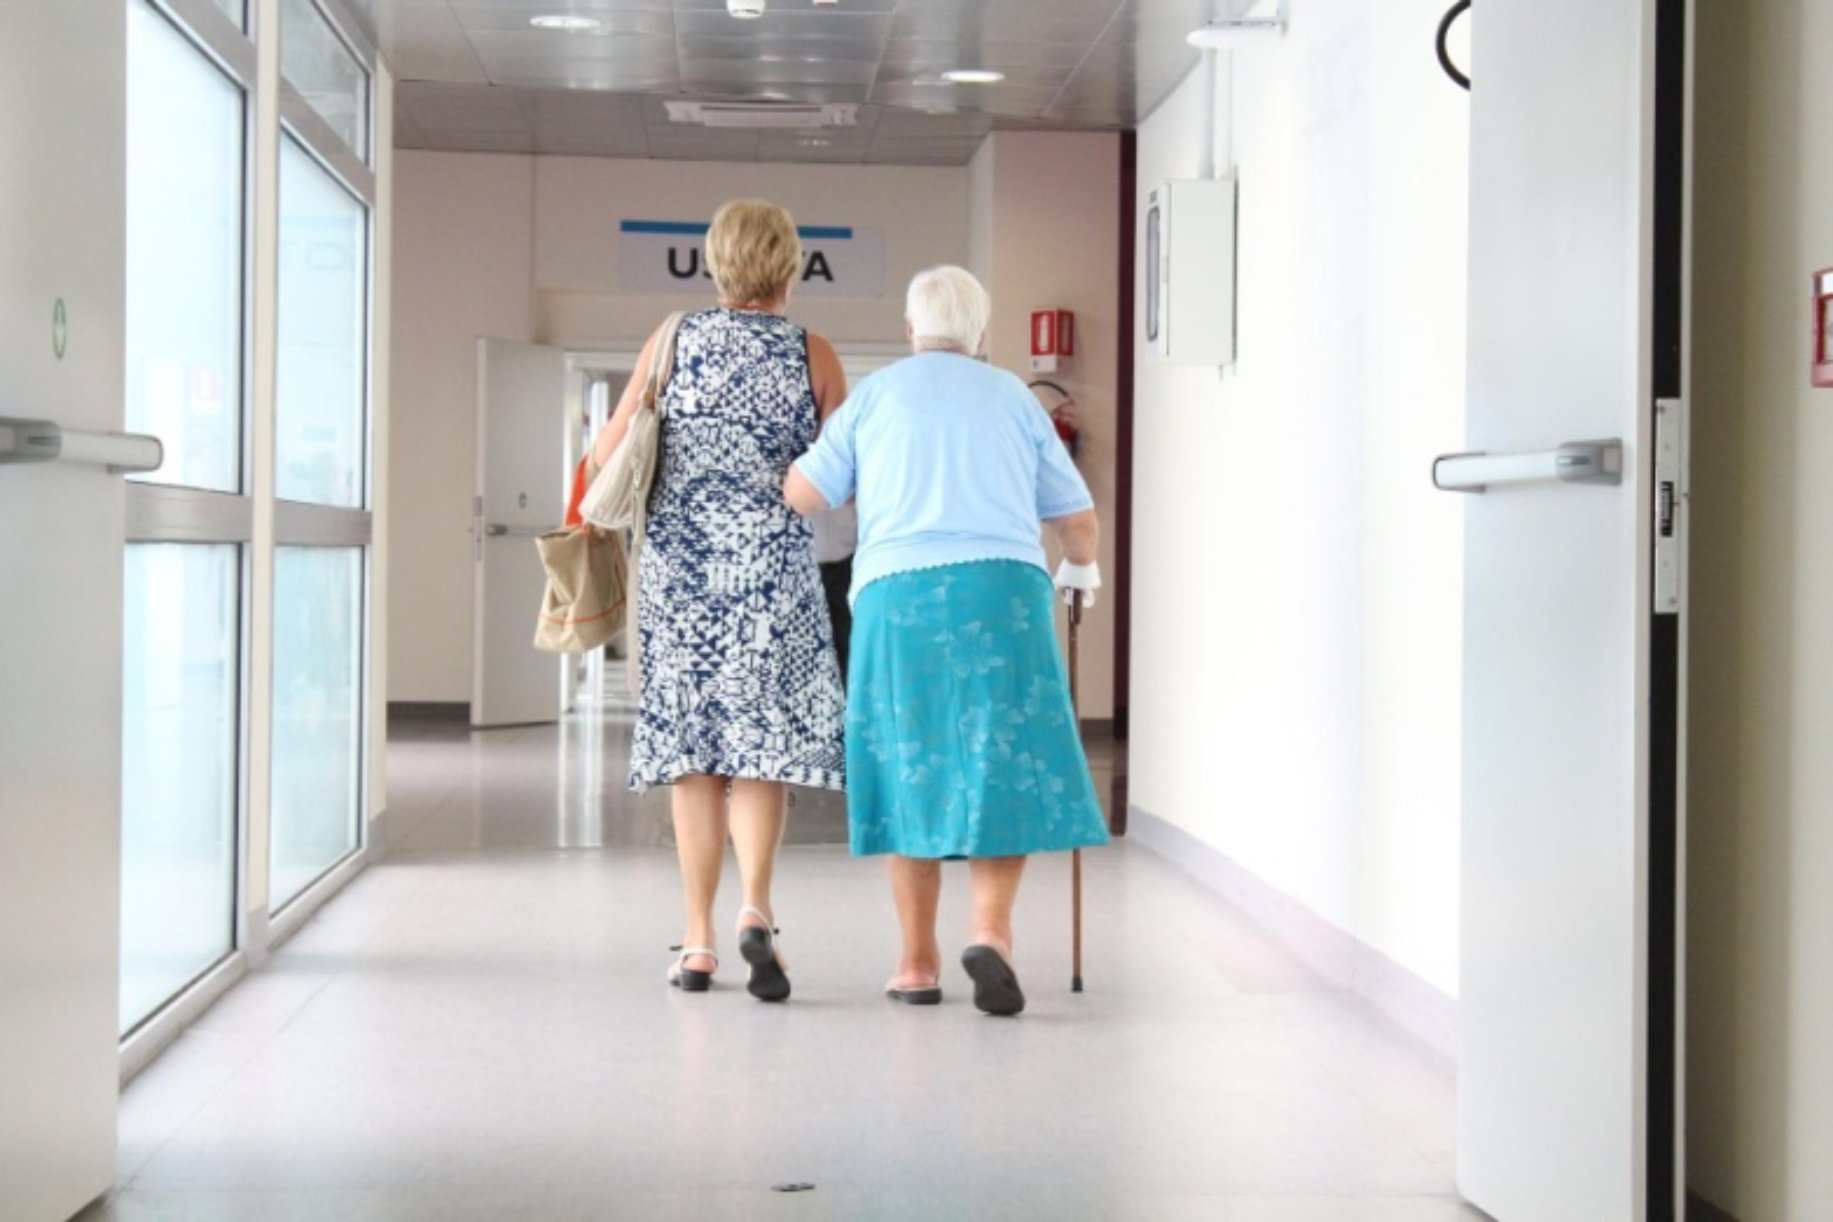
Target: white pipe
1206 166
1225 62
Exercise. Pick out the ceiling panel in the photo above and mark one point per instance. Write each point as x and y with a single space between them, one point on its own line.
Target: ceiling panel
652 18
700 144
783 21
823 46
586 123
1066 63
965 52
1080 21
438 109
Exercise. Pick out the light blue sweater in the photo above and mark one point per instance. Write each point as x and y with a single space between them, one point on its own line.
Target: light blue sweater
950 460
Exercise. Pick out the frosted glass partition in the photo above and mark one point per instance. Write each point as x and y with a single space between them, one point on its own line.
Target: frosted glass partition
179 739
184 255
317 755
322 320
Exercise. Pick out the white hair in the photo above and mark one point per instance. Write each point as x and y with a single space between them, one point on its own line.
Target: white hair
948 304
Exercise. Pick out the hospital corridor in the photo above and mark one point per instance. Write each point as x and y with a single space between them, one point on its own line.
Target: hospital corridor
894 610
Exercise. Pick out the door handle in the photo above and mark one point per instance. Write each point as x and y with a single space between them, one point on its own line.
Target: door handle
26 441
499 530
1576 462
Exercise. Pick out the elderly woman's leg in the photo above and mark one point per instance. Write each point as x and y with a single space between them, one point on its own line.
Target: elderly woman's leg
916 885
758 812
699 804
995 884
989 959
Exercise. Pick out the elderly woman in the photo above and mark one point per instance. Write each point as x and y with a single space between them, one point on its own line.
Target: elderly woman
740 690
961 740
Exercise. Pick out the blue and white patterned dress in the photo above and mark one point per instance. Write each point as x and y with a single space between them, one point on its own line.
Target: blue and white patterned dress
737 653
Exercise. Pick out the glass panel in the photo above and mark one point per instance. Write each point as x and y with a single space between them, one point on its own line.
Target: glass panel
318 608
319 407
234 9
184 255
318 64
178 776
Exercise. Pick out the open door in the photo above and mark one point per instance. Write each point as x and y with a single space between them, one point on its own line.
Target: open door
62 532
1569 1088
521 492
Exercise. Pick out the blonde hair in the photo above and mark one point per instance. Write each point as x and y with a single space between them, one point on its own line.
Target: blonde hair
950 305
753 251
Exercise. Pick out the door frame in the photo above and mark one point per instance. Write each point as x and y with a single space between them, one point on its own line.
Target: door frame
1670 378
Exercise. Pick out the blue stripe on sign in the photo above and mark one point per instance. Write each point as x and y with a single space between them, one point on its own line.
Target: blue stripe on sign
694 229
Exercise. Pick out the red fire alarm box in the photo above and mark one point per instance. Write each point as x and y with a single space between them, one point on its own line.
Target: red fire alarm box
1823 328
1053 336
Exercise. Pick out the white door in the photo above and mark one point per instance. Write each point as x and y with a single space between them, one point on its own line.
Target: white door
62 169
1568 1086
521 492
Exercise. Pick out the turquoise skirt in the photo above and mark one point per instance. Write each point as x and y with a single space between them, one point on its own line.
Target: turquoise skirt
960 739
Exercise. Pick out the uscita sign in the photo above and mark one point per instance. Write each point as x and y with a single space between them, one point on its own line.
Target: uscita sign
670 257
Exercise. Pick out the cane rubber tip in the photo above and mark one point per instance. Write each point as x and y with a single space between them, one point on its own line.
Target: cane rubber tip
1075 985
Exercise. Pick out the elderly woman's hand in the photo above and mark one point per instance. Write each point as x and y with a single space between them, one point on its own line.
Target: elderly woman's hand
1085 579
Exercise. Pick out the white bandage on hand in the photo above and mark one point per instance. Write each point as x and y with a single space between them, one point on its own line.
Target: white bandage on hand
1085 578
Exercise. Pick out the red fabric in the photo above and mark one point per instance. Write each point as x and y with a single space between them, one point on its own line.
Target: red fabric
578 494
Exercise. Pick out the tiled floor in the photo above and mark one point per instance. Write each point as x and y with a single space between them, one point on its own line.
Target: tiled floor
478 1029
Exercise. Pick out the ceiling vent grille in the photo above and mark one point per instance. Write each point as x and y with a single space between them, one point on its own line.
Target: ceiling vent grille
782 115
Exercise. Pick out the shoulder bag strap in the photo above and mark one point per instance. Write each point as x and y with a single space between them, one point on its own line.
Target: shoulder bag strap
663 367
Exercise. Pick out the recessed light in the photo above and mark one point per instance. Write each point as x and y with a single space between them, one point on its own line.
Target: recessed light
565 21
973 76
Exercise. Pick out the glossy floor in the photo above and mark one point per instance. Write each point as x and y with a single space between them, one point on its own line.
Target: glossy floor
477 1028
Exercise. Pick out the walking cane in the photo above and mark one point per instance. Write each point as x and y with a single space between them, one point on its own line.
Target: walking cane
1075 857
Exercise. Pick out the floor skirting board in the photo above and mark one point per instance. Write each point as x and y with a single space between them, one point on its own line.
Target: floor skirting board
1416 1006
1701 1210
429 710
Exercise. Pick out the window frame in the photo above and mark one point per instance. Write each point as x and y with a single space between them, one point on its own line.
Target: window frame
175 513
304 524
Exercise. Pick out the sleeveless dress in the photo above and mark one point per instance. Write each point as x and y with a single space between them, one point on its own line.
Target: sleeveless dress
736 650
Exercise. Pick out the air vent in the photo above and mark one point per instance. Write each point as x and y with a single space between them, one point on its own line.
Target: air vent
792 115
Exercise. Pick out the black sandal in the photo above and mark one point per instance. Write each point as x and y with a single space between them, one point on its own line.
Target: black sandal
757 943
996 988
928 996
686 978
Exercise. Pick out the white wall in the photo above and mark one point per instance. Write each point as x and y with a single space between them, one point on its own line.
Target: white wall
463 236
519 247
1044 229
1760 792
980 211
1297 586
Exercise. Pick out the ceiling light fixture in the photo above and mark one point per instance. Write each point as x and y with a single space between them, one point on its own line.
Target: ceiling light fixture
565 21
746 10
973 76
1225 33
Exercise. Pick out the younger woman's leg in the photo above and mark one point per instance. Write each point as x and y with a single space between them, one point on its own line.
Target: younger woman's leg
916 885
758 815
699 804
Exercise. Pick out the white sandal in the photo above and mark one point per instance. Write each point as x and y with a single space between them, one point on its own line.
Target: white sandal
757 943
686 978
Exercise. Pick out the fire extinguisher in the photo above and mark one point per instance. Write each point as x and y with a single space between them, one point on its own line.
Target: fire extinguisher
1063 416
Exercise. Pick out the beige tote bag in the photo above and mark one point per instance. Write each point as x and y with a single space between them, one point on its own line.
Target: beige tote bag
587 589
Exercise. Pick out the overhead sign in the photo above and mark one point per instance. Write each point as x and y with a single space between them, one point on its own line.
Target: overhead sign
670 257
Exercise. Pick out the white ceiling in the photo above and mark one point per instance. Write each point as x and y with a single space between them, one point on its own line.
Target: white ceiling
474 75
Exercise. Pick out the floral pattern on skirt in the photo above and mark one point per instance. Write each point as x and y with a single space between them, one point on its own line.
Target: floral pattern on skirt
961 741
